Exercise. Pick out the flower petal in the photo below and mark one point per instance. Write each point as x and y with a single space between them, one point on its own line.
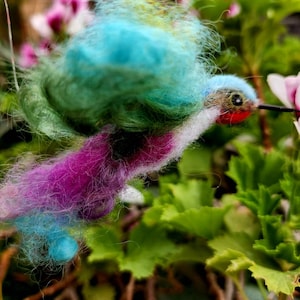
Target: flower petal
292 83
234 10
40 24
28 57
297 125
277 85
79 21
297 101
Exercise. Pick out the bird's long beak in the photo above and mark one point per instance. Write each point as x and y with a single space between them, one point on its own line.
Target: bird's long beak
277 108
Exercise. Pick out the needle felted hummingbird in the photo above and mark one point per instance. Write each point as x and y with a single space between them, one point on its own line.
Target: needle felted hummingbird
138 85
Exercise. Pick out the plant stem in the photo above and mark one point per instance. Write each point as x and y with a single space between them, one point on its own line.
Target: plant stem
240 287
130 289
11 45
214 286
265 129
150 288
4 265
229 288
51 290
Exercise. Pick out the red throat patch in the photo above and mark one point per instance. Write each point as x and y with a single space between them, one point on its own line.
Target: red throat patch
233 118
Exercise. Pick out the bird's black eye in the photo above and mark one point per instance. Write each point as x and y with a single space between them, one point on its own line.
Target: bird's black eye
237 99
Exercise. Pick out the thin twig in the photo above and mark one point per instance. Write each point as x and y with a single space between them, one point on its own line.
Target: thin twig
214 286
129 292
176 285
11 45
51 290
150 288
229 288
4 265
240 293
265 129
69 293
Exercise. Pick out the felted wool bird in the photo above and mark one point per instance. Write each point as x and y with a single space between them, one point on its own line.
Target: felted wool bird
138 85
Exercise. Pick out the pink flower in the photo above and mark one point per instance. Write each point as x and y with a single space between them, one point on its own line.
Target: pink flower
64 15
76 5
234 10
28 57
287 90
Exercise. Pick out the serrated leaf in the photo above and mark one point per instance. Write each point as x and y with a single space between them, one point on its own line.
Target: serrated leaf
271 172
153 215
104 243
238 264
241 219
192 193
229 261
238 241
197 251
169 212
241 243
286 254
291 188
148 246
253 168
241 173
205 222
260 201
276 281
273 231
196 161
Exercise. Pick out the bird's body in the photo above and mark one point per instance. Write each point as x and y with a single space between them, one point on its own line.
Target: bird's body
141 89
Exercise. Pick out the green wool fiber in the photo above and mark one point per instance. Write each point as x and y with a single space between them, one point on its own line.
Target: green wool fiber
127 69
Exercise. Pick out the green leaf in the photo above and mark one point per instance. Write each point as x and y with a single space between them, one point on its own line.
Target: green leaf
196 161
253 168
196 251
278 242
104 243
238 241
260 201
204 222
147 247
291 188
153 214
192 193
276 280
273 231
241 219
229 261
286 254
240 244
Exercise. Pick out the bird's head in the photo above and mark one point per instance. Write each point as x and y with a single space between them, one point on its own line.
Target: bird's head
235 97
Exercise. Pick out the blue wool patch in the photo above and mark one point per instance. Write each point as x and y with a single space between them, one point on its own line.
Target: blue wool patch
145 53
62 249
45 240
230 82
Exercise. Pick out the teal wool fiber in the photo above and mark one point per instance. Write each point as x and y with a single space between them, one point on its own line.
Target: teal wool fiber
141 65
45 240
230 82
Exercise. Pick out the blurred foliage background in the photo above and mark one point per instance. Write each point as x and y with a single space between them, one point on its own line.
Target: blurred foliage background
223 223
